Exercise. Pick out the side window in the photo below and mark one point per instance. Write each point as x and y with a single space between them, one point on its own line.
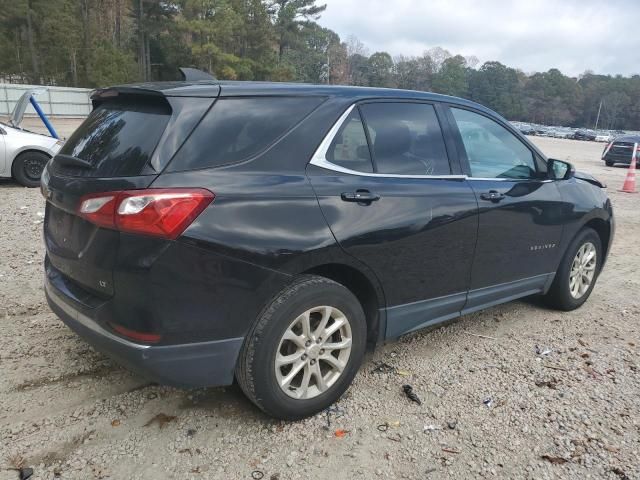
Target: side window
349 147
236 129
406 139
492 150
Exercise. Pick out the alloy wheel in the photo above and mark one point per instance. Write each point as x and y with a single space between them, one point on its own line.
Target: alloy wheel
313 352
583 269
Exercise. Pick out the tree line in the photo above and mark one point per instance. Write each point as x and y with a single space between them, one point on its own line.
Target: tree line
92 43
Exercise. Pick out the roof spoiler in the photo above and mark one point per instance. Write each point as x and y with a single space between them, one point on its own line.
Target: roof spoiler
194 75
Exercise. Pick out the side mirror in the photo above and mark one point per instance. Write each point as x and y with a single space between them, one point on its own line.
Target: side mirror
559 170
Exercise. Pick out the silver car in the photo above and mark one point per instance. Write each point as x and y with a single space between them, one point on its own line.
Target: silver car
24 154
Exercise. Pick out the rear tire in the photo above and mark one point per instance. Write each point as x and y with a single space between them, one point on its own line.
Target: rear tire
578 272
27 168
264 370
609 163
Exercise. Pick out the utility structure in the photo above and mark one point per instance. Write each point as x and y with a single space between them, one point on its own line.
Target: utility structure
598 116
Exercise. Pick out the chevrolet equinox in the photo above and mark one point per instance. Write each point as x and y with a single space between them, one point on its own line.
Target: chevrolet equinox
203 231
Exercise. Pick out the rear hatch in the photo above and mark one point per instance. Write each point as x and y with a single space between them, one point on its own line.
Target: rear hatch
123 145
622 148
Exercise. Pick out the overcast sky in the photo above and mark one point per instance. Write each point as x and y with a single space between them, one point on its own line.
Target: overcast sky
533 35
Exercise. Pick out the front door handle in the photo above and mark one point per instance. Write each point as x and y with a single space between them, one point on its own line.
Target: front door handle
360 196
492 196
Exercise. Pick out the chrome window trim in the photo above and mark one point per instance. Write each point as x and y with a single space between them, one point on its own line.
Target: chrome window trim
319 158
503 179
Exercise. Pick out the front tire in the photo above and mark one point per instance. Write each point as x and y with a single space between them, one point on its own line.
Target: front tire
578 272
304 350
609 163
27 168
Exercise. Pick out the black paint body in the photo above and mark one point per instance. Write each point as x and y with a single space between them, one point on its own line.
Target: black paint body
428 250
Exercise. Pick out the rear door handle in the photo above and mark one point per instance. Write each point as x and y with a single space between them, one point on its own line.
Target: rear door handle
492 196
360 196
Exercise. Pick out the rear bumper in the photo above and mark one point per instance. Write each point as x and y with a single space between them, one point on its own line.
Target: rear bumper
210 363
617 158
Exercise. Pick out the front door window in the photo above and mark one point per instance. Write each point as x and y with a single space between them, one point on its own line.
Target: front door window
492 150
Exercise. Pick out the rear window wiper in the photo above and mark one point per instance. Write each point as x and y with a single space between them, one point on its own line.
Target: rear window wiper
71 161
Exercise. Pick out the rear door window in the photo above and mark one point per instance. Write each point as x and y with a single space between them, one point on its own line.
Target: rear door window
237 129
349 148
406 138
117 139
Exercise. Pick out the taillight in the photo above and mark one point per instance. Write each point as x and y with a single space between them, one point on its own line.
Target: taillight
99 209
161 212
145 337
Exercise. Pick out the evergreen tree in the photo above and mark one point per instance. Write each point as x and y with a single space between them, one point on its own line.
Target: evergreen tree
93 43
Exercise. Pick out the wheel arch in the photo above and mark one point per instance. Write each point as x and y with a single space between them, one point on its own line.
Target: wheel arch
366 289
603 229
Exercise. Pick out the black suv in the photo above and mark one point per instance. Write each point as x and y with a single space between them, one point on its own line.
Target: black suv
584 135
204 231
620 150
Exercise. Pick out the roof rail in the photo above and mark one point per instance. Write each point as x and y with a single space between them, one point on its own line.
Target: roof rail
193 74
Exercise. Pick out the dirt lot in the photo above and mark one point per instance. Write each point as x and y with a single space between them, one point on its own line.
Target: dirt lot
71 412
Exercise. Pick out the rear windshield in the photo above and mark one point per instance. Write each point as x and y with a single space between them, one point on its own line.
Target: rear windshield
118 138
236 129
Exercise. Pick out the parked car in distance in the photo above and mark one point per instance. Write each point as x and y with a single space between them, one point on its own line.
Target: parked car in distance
271 233
542 131
584 135
527 129
563 133
620 150
569 134
23 154
603 137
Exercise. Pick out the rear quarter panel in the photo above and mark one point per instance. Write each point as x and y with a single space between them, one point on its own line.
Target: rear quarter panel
264 224
260 230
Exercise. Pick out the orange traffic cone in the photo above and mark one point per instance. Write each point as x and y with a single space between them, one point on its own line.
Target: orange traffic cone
630 182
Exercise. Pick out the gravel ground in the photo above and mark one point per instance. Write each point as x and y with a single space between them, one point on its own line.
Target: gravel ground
492 407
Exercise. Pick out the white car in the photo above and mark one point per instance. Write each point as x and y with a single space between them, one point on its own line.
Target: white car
604 137
24 154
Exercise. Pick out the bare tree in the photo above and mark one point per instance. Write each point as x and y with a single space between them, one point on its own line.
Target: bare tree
86 38
472 61
144 57
438 55
118 23
614 104
356 47
35 63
